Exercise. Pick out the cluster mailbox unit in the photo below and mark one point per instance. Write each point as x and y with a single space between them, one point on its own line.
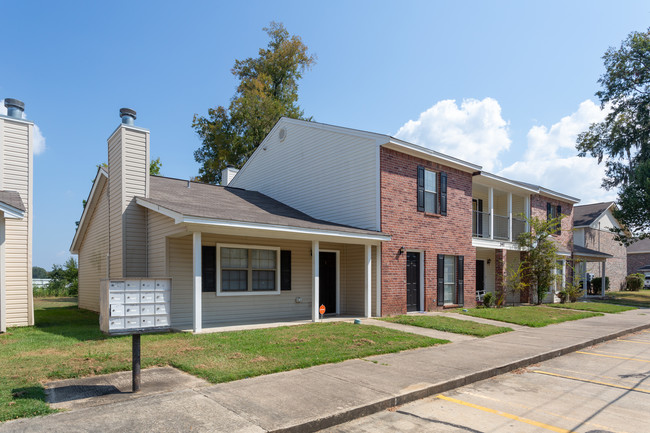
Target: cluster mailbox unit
135 306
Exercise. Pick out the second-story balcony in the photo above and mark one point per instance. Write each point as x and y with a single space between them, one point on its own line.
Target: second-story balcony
497 214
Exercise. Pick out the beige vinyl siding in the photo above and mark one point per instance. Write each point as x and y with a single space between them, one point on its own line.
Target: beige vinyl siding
135 173
115 194
328 175
223 310
92 254
16 176
485 255
159 227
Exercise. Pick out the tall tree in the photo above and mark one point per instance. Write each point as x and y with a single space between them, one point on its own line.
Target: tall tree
622 140
267 90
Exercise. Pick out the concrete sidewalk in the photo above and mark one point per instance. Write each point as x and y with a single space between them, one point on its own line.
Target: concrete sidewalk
318 397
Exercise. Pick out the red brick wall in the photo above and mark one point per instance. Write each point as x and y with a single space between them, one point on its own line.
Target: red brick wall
615 267
635 261
538 209
451 234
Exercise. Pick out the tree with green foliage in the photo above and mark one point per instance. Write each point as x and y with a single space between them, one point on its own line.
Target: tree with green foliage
64 279
38 272
622 140
539 260
267 90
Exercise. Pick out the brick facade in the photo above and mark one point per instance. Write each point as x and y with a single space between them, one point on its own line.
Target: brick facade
538 209
636 261
615 267
413 230
500 271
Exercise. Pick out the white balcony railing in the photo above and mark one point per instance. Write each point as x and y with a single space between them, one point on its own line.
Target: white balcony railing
501 226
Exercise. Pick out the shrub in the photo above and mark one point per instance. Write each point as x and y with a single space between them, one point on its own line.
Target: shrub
488 299
563 295
595 283
634 282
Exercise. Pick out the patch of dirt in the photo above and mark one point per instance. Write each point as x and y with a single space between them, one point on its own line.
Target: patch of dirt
363 342
236 355
298 340
260 359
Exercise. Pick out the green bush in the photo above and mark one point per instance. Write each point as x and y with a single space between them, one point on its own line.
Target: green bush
563 295
488 299
595 283
634 282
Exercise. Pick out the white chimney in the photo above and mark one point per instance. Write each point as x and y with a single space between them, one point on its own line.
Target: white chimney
227 174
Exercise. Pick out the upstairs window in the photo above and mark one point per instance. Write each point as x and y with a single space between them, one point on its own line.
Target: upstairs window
432 191
554 212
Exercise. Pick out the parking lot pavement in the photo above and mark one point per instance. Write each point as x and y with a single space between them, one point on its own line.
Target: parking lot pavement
604 388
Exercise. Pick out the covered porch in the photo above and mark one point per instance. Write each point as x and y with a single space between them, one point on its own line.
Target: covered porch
584 257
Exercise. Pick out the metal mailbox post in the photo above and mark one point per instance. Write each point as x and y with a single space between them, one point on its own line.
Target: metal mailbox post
135 306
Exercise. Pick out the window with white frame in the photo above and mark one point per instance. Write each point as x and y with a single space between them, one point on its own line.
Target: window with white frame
430 191
244 269
559 271
450 279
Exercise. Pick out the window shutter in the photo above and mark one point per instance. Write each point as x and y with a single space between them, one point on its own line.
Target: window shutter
208 268
443 193
285 270
460 284
441 279
559 224
548 211
420 189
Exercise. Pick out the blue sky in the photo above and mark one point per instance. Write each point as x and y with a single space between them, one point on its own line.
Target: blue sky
503 84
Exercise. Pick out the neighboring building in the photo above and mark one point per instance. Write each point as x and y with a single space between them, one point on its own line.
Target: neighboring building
638 257
16 155
592 224
364 223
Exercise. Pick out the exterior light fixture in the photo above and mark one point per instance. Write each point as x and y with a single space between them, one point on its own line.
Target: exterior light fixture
401 251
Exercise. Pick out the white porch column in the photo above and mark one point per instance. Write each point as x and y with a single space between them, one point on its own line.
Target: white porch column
315 284
510 216
3 289
584 277
603 281
527 211
367 311
197 318
378 279
491 207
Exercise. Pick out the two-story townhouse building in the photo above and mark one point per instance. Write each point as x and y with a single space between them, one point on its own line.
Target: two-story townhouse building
362 223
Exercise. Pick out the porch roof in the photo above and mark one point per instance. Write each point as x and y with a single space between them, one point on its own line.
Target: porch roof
579 251
11 204
199 203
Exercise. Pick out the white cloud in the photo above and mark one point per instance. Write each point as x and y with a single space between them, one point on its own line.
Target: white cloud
475 131
551 158
39 139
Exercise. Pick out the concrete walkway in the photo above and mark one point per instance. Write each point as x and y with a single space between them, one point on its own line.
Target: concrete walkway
318 397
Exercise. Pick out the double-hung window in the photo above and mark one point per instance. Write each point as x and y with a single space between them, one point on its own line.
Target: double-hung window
430 191
248 270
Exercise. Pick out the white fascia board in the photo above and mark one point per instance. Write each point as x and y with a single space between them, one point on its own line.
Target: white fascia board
177 217
11 212
424 153
638 252
554 194
91 202
489 179
495 244
598 256
279 228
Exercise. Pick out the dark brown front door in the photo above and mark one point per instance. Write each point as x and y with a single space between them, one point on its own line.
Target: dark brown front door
480 275
412 281
327 281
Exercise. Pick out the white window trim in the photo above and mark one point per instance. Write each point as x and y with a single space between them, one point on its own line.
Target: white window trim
455 293
251 292
436 200
557 289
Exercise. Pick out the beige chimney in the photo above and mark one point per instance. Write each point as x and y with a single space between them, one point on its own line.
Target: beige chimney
227 174
128 177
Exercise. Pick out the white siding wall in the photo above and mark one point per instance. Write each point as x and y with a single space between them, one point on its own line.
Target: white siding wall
115 194
158 228
16 176
92 254
607 221
579 237
328 175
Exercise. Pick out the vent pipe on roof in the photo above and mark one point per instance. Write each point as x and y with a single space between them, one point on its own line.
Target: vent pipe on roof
127 115
15 108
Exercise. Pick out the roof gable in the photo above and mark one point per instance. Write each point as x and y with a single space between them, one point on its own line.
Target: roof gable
587 214
93 198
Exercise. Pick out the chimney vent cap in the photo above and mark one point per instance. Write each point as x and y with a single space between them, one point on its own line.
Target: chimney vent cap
127 115
15 108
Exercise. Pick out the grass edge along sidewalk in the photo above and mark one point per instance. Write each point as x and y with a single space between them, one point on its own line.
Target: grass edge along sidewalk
597 307
640 299
448 324
535 316
66 343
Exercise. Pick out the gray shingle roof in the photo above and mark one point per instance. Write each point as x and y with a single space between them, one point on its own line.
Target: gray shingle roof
639 246
586 214
12 198
234 204
582 251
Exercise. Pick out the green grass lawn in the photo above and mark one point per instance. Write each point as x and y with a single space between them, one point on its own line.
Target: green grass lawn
533 316
66 343
449 324
634 299
599 307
